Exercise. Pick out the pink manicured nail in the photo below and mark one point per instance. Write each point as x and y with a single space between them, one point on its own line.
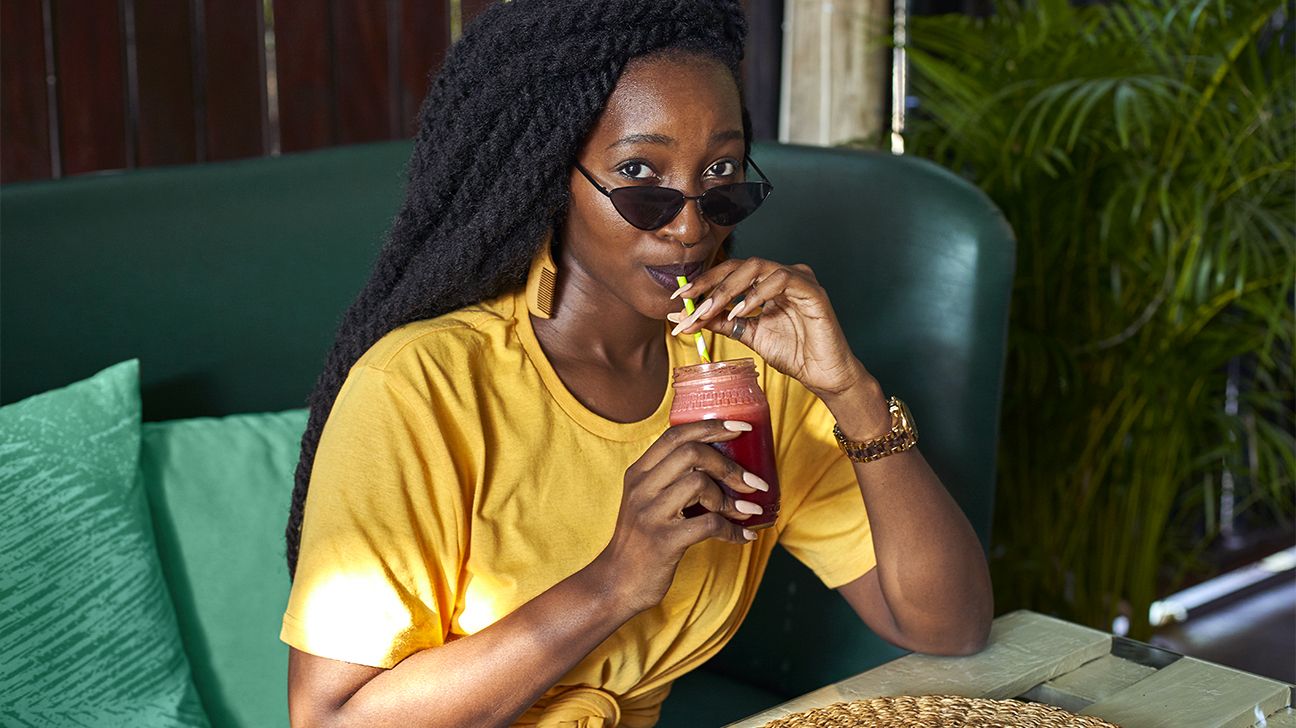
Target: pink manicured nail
692 319
674 317
754 481
749 534
733 312
748 507
681 290
737 426
702 310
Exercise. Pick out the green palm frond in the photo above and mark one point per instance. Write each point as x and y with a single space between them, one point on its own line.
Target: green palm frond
1145 153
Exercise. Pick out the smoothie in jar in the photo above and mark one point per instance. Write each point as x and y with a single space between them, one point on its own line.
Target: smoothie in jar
727 390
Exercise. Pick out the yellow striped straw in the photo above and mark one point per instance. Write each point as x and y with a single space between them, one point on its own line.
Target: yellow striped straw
688 306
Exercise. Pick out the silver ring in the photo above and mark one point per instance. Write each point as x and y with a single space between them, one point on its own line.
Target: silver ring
740 325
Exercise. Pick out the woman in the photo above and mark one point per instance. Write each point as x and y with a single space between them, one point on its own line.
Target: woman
494 532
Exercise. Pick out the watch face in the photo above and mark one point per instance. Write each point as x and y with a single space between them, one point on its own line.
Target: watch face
906 420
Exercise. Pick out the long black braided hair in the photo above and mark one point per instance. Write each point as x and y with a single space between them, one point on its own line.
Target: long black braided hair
498 133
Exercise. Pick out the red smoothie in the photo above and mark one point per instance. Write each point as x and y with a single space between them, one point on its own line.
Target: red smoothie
727 390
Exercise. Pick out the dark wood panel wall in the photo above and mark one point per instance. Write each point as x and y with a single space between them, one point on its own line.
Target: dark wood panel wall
92 85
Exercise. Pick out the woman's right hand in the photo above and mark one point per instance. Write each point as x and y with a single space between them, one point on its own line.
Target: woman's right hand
680 469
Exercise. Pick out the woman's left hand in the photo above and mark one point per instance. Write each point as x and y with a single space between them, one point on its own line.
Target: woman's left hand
788 320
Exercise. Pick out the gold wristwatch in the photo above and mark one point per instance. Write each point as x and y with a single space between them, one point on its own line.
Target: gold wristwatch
903 435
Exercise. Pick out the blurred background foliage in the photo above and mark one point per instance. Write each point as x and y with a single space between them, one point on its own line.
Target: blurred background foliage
1145 154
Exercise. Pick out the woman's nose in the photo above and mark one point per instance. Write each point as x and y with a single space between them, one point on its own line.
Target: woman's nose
689 227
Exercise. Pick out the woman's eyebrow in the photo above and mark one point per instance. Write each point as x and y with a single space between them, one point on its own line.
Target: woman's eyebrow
668 141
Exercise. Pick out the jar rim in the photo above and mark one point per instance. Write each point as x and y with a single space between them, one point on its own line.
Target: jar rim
710 370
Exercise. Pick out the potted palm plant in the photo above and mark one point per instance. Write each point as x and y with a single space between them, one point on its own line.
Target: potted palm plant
1145 154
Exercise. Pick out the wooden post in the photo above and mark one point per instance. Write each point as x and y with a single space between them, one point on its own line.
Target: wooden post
836 71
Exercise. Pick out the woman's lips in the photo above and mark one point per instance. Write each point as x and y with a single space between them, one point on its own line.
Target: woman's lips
665 275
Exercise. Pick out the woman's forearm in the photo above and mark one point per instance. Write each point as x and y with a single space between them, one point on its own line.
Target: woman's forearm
930 566
491 677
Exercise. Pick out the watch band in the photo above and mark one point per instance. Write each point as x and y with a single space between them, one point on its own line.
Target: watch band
903 436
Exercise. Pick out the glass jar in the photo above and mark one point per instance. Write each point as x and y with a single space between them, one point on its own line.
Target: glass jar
727 390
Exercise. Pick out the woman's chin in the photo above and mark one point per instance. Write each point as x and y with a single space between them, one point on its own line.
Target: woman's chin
661 309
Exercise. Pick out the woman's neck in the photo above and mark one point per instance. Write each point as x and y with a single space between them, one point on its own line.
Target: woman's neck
595 327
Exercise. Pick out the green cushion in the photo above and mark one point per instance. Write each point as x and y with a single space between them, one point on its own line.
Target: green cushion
705 698
219 490
87 632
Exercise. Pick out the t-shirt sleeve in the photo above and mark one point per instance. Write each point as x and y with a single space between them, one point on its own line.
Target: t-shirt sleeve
823 520
382 537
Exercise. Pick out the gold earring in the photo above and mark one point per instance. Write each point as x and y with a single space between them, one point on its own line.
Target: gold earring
542 281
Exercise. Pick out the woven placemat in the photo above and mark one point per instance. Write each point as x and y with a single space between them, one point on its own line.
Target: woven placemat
937 711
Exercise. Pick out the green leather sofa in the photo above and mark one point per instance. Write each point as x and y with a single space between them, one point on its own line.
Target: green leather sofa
226 280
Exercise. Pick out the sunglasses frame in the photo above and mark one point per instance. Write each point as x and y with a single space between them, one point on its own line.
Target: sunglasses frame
684 199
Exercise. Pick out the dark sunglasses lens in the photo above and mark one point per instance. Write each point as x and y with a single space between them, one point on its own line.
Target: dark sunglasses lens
729 204
647 208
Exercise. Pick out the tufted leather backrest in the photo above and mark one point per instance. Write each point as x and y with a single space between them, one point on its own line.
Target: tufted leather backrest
227 281
918 264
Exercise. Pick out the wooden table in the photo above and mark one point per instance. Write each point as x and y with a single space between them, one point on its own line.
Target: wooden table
1042 659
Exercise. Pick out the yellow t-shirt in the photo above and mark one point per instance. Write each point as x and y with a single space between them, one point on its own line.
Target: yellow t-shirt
457 478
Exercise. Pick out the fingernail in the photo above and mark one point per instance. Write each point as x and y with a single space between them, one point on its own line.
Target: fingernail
681 290
691 320
733 312
697 314
737 426
674 317
754 481
749 534
743 506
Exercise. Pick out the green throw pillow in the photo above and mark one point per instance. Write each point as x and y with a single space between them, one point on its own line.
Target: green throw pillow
88 635
219 491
